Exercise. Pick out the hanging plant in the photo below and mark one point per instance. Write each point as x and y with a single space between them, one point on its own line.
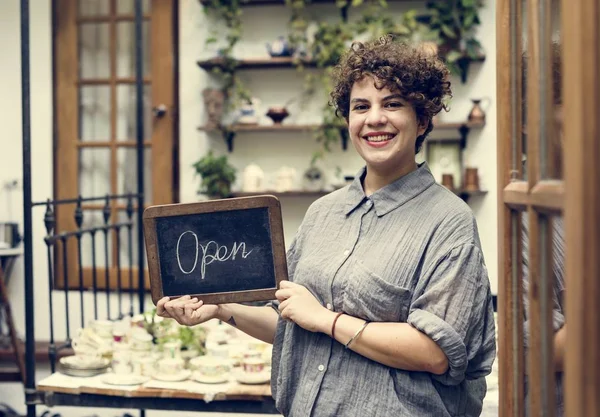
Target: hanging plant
230 13
454 22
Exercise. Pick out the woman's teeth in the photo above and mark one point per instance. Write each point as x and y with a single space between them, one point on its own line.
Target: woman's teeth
379 138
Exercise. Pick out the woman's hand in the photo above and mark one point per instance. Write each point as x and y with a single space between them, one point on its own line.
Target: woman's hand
300 306
186 310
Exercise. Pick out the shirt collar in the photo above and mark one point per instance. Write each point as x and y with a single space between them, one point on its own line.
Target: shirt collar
392 195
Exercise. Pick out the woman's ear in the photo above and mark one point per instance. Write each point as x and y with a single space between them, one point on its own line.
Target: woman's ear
423 125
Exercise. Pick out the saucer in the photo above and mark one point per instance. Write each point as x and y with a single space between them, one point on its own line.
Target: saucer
252 378
180 376
124 379
77 362
217 379
81 373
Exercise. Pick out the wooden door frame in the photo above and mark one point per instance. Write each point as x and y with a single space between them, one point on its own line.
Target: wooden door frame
577 197
581 26
164 17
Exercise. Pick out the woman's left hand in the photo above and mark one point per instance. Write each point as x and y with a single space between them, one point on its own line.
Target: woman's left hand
299 305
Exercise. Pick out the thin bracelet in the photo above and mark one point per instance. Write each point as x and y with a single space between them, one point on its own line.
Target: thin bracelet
357 334
333 325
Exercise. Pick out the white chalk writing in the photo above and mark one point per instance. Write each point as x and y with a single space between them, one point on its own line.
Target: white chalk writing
211 252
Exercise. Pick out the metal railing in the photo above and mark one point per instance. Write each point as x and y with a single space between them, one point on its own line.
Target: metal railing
57 251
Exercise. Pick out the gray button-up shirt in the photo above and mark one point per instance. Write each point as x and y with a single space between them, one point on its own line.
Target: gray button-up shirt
408 253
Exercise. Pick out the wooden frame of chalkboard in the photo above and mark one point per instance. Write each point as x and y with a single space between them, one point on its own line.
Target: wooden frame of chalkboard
220 251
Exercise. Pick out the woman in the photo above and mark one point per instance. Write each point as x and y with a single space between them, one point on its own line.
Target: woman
388 309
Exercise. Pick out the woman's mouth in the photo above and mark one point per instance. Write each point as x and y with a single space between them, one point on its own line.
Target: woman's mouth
379 139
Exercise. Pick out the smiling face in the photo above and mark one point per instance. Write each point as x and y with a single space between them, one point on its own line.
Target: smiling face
383 128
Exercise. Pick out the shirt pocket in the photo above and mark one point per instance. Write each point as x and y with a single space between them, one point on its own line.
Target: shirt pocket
373 298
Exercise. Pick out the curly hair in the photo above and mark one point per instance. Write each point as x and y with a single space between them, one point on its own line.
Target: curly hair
419 76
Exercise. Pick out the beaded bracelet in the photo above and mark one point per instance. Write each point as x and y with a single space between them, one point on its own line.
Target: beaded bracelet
333 325
356 334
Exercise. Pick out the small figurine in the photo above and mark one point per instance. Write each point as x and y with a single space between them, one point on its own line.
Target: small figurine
280 47
285 179
253 179
248 112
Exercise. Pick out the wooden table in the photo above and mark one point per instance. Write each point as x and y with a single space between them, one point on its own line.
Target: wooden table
236 398
7 258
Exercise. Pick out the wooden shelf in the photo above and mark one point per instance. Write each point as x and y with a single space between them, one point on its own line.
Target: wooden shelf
289 62
256 63
263 128
299 193
464 194
229 132
249 3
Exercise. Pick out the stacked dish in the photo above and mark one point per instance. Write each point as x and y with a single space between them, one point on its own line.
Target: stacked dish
83 366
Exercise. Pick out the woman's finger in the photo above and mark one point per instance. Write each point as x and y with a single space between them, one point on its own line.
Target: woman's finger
283 305
160 307
283 294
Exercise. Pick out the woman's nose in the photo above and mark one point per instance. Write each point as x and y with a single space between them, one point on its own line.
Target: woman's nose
376 117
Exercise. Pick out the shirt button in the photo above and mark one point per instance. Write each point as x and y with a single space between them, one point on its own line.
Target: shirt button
329 306
369 203
346 252
321 368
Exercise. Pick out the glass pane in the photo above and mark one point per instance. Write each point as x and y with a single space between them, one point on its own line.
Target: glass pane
558 288
94 172
94 113
522 42
554 142
94 54
92 219
551 236
126 49
126 258
127 172
126 112
128 6
94 7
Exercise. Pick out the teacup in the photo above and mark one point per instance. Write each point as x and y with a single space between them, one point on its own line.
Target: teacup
170 366
103 328
252 354
253 365
121 361
209 366
144 365
89 337
141 340
218 351
172 349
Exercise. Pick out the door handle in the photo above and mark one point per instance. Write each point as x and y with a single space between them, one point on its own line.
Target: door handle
159 111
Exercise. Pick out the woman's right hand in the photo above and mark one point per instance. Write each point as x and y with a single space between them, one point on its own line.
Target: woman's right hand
186 310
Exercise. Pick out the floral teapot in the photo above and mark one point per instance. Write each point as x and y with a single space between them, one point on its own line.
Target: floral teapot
280 47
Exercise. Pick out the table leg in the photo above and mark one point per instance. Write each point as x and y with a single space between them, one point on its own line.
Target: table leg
4 302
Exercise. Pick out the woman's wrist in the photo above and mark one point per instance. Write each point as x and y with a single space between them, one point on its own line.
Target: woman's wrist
224 312
326 323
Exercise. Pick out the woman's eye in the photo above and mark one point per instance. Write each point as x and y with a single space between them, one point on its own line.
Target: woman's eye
360 107
394 104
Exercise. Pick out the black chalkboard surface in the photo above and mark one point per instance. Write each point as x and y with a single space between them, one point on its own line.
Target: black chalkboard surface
221 251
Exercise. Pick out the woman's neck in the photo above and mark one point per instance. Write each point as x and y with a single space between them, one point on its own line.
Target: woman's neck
376 179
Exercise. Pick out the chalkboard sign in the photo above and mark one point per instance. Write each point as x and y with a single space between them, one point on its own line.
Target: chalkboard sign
221 251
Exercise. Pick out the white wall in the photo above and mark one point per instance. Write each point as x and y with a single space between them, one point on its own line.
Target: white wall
269 151
274 87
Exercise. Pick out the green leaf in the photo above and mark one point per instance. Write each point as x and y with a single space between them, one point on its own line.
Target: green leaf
447 31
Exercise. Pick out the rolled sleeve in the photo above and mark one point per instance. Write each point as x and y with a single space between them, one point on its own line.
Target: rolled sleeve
447 339
453 307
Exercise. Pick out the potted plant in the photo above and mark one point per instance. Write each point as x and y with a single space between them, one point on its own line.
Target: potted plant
217 175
